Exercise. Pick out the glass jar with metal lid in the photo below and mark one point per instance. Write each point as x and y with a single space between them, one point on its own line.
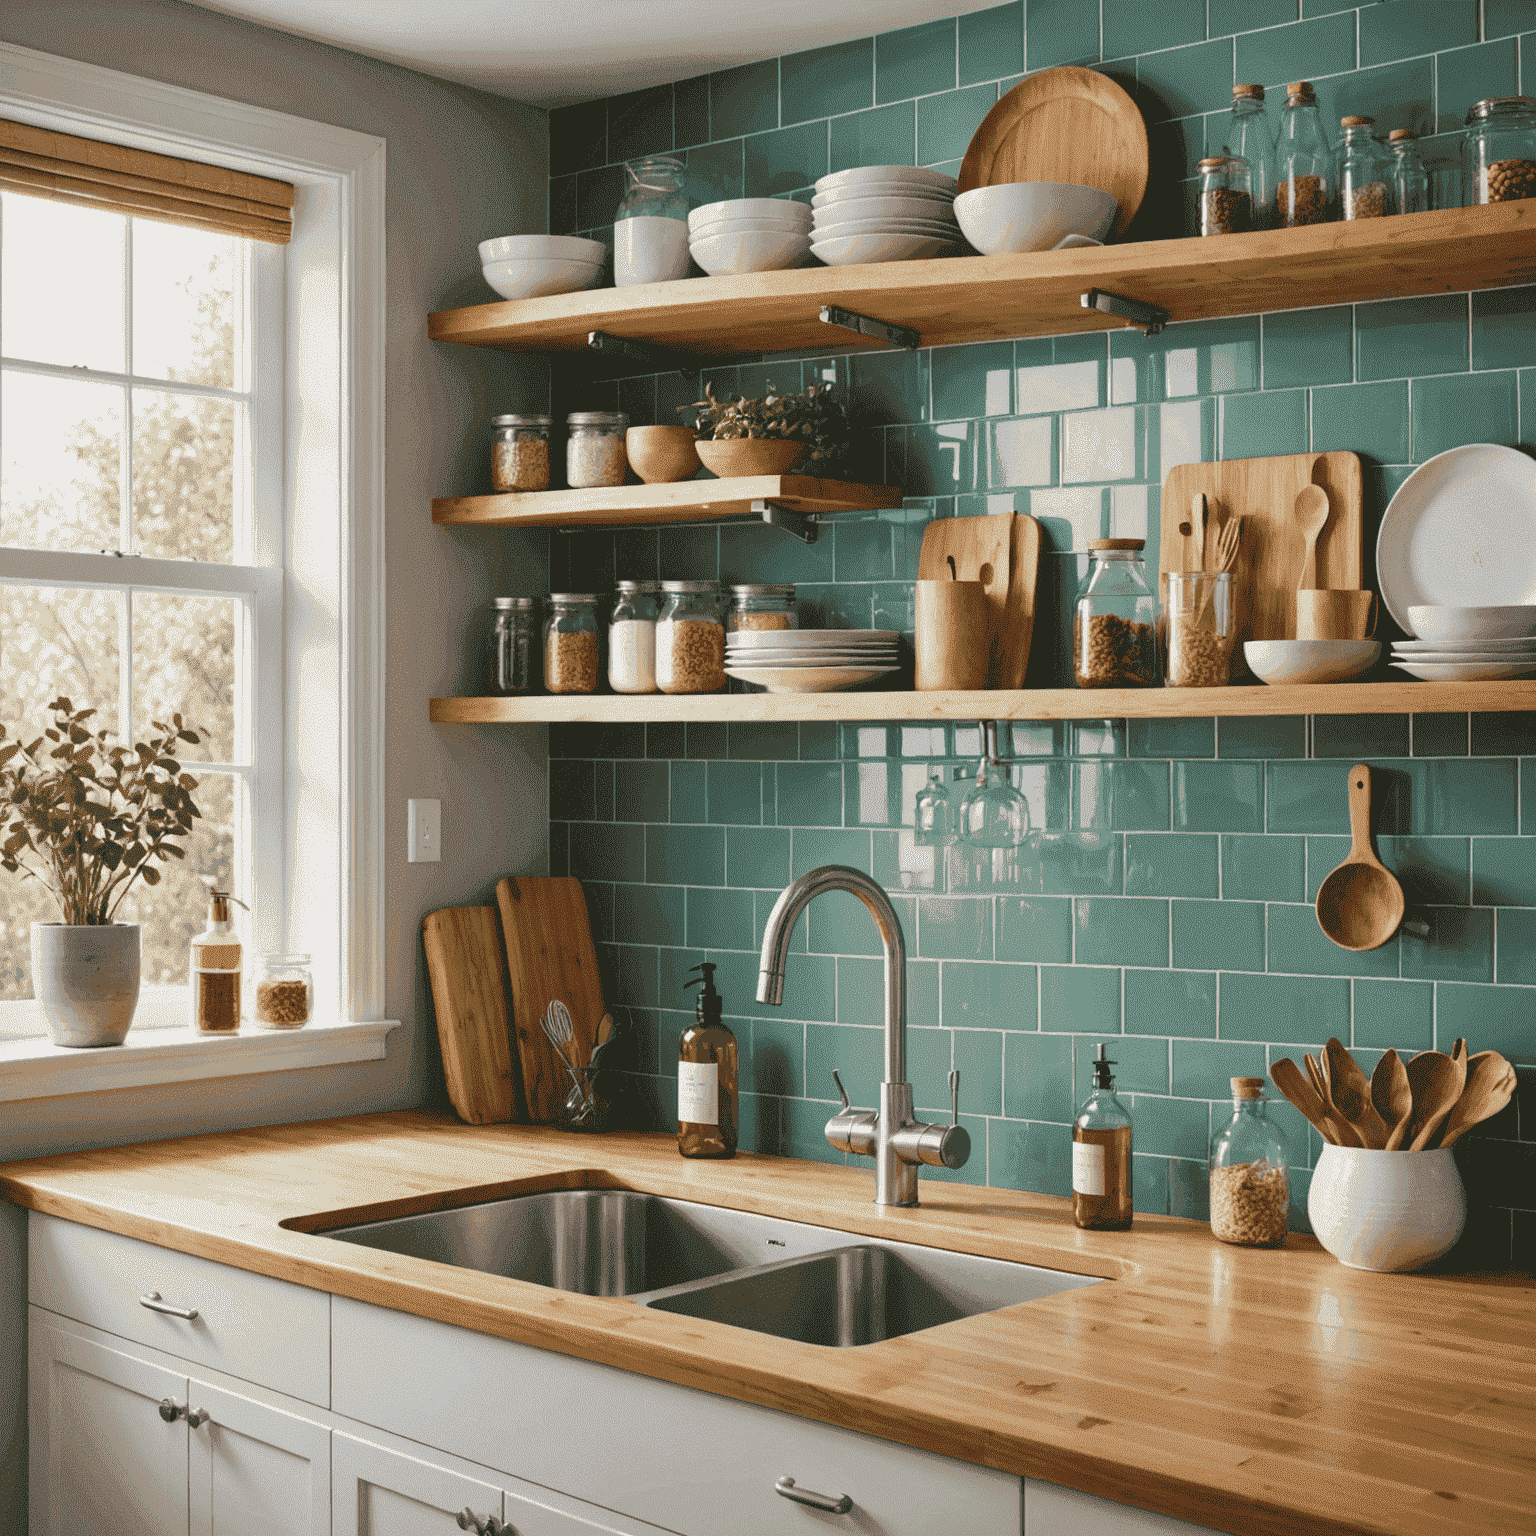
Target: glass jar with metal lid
1410 180
1499 150
512 649
520 453
594 450
1114 625
632 638
570 643
762 605
690 639
1226 202
1364 176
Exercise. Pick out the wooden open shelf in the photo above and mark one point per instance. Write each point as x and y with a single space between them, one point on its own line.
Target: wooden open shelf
984 298
681 502
1026 704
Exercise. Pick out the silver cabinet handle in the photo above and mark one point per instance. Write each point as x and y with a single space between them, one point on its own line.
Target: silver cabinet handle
197 1417
490 1526
170 1410
155 1304
786 1489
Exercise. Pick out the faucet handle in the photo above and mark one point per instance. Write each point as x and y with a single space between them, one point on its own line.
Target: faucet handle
954 1096
847 1104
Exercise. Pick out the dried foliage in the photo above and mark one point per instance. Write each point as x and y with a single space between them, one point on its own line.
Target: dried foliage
812 417
86 818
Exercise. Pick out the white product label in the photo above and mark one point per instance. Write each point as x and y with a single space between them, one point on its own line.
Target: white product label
1087 1168
698 1093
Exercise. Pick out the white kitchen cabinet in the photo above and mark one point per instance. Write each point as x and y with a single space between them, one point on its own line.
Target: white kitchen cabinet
1053 1511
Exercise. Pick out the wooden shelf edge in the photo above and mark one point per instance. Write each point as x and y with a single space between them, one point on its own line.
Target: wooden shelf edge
1392 698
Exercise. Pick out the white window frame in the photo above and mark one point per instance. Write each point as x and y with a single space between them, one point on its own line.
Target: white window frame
332 602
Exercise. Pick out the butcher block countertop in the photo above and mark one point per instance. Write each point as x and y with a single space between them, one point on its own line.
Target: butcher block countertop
1256 1391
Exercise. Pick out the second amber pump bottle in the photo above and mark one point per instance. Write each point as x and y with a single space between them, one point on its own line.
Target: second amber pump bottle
1101 1156
706 1076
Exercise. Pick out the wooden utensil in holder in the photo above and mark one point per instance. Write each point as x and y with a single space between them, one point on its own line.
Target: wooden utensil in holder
952 635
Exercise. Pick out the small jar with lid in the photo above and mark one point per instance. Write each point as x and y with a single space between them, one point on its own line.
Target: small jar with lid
520 453
632 638
690 639
594 449
1114 622
1251 137
1303 161
1499 150
1364 176
571 643
285 991
1250 1181
1410 179
1226 201
512 649
762 606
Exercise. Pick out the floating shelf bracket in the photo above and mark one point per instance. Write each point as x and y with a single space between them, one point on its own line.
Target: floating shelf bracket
801 524
1150 317
654 357
897 335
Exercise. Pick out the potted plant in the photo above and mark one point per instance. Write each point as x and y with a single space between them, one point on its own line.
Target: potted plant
87 819
771 435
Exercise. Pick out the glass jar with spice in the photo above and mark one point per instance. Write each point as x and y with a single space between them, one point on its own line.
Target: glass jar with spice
1114 623
1197 628
1303 161
1251 137
285 991
1499 150
632 638
1410 180
520 453
690 639
571 643
762 606
594 449
1226 205
1364 177
511 648
1250 1181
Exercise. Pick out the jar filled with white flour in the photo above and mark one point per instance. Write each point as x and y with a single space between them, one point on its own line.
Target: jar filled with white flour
632 638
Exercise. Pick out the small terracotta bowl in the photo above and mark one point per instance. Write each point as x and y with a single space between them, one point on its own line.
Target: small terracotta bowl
735 456
660 455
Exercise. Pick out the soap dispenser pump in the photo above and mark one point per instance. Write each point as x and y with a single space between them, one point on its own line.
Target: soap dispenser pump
1101 1156
213 970
706 1076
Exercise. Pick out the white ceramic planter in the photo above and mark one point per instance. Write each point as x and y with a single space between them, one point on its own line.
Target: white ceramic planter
86 980
1386 1210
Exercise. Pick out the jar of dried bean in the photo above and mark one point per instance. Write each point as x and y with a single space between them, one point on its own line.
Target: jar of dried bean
1303 162
1410 180
1197 628
520 453
594 450
1364 177
1114 622
1499 150
1226 204
285 991
762 605
690 639
571 643
1250 1184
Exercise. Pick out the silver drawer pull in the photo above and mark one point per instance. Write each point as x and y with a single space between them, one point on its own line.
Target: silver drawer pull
197 1417
155 1304
490 1526
786 1489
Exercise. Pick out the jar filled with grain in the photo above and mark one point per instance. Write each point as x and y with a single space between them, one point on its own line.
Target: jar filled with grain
1410 179
1499 150
285 991
1251 136
1197 628
1226 204
520 453
1250 1184
760 606
1303 162
632 638
1114 621
571 643
690 639
1364 178
512 648
594 449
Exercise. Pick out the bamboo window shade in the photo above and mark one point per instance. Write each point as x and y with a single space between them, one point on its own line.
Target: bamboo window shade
118 179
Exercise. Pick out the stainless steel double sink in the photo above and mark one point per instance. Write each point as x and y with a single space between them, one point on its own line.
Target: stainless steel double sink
813 1284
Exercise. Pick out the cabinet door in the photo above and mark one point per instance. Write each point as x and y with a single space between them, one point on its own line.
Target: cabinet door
1053 1511
382 1493
256 1470
102 1457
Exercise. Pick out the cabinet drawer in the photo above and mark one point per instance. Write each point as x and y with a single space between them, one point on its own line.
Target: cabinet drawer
250 1326
673 1456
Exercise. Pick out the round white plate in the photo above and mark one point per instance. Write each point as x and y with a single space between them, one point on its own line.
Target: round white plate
831 659
855 250
1526 646
885 175
885 208
807 679
809 639
906 192
1463 671
1461 532
1453 658
933 227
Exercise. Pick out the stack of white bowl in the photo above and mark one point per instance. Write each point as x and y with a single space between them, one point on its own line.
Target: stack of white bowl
810 660
749 234
1463 645
529 266
884 213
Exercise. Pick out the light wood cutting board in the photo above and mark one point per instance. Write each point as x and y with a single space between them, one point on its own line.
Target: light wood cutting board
1011 653
550 955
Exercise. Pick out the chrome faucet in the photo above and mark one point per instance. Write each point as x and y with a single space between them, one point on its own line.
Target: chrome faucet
896 1141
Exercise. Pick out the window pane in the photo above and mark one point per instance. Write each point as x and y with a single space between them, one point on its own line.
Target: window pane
184 663
184 313
184 475
63 463
61 283
57 640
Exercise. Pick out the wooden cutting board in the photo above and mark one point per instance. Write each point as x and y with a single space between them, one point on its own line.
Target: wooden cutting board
469 995
550 955
1011 652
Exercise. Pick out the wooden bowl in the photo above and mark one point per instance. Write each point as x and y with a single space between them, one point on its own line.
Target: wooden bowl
751 456
660 455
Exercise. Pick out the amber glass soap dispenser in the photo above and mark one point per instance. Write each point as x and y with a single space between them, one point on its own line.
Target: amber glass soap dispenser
706 1076
1101 1156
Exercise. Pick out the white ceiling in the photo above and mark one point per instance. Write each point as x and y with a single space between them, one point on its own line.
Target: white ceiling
552 52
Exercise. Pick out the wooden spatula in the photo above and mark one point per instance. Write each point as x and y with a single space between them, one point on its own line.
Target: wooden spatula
1490 1086
1350 1090
1437 1081
1292 1082
1392 1097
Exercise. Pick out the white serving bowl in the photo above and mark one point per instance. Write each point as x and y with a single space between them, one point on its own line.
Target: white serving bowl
1310 661
935 227
776 210
534 279
1388 1211
744 226
542 248
855 250
887 175
892 207
1032 215
751 251
1431 621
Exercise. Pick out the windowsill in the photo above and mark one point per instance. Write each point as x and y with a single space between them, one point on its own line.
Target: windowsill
36 1068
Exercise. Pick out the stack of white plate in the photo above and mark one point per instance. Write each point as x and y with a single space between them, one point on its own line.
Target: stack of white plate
531 266
810 660
749 234
1468 644
884 213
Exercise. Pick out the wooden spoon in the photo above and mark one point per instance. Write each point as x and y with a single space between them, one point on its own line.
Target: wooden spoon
1311 517
1290 1080
1459 1050
1490 1086
1350 1090
1437 1081
1199 516
1392 1097
1360 904
1344 1134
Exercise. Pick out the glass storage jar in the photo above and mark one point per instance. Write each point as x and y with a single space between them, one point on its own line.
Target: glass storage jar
1410 180
1303 161
1226 206
285 991
690 639
762 605
1250 1184
512 647
1499 150
1251 137
1197 628
520 453
594 449
1114 622
650 230
632 638
1364 176
571 643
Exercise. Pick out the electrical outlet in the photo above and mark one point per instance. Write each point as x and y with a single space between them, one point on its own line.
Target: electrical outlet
424 831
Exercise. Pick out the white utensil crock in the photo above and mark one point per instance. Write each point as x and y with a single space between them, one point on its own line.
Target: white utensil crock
1386 1210
86 980
649 249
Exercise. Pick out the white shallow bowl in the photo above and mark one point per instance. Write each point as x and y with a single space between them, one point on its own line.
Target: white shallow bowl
806 679
542 247
534 279
933 227
854 250
1434 621
759 250
887 175
1521 647
1388 1211
744 226
885 208
772 210
1310 661
1463 671
809 639
1032 215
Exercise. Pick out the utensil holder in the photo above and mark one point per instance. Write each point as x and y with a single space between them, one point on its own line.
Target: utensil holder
1342 615
1389 1211
1198 629
952 635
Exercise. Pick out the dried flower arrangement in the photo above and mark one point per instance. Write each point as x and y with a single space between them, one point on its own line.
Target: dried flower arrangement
813 417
